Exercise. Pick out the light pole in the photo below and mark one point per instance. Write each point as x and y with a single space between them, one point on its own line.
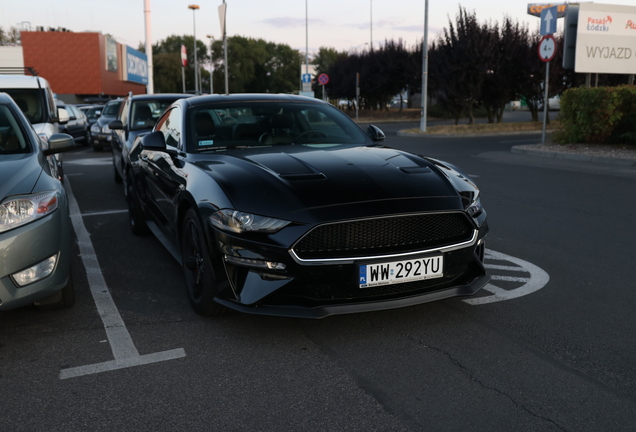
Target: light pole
150 87
424 69
211 64
371 23
196 65
306 39
223 22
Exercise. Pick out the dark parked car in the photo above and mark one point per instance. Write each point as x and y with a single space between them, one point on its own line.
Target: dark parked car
100 132
77 125
35 228
293 210
137 115
92 113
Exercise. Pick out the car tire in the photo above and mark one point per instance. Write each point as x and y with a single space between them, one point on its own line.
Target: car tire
200 277
136 220
64 298
116 175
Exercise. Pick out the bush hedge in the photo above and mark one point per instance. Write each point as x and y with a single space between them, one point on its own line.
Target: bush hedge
603 115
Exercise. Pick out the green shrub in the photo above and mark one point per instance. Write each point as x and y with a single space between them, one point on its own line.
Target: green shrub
597 115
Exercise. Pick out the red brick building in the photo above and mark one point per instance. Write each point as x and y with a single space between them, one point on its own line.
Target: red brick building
80 66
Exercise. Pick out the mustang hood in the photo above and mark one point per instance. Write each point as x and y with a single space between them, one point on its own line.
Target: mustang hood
283 183
18 174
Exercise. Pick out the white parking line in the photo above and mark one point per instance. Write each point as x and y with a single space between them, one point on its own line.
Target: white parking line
121 344
536 280
101 213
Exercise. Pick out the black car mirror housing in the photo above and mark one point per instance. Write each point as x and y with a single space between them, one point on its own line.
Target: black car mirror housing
154 141
375 133
116 125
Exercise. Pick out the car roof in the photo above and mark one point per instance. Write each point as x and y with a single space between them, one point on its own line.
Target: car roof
159 96
22 81
5 98
251 97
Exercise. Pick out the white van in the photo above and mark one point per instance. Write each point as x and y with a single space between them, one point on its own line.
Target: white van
34 96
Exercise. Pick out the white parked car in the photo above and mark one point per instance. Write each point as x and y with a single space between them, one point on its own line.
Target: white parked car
35 98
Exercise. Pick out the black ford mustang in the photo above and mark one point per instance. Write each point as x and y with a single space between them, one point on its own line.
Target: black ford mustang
281 205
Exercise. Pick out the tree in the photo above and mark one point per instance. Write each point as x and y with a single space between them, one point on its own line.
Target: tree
505 68
167 63
10 37
257 66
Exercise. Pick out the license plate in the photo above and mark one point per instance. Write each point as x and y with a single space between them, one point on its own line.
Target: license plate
401 271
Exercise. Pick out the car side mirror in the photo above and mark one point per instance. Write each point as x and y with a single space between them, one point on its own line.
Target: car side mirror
116 125
59 143
154 141
375 133
62 115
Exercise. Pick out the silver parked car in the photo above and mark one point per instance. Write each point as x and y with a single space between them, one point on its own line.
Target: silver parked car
35 227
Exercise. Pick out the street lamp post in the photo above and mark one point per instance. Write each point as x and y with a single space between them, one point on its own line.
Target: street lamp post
371 23
196 65
227 80
306 38
424 70
211 64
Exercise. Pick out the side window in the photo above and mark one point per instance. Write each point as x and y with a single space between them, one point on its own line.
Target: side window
52 108
170 126
123 113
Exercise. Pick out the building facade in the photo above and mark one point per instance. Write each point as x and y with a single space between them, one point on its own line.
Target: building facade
85 67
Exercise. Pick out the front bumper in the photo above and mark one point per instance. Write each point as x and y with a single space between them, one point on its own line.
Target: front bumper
319 289
28 245
100 138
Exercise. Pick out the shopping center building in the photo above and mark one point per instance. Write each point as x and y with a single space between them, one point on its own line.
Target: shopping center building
81 67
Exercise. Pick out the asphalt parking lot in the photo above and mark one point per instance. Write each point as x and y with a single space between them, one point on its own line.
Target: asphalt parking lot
545 346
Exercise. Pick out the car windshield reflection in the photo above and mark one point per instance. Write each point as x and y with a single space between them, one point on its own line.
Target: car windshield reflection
219 126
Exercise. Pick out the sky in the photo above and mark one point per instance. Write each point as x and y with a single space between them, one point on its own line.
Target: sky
346 25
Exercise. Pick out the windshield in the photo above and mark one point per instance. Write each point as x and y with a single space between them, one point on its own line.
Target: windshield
11 137
93 113
111 109
268 123
30 102
145 113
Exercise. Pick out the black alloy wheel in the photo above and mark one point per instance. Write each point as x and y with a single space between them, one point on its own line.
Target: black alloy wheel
197 266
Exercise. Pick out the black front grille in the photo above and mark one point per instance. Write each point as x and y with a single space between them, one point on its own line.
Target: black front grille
384 236
340 286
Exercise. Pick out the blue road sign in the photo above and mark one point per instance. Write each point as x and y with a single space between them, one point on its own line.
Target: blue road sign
306 78
549 20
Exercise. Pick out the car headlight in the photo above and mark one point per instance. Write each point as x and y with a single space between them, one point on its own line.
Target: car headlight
20 210
106 129
240 222
472 203
95 128
36 272
475 208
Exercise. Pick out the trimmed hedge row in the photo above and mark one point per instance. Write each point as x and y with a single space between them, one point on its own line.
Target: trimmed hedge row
603 115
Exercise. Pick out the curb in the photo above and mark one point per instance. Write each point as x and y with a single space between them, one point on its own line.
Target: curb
573 156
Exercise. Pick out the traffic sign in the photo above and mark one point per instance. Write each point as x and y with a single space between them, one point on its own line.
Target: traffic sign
547 48
323 79
549 21
184 56
306 78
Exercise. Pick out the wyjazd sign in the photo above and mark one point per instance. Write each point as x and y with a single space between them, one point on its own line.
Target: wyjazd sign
606 39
